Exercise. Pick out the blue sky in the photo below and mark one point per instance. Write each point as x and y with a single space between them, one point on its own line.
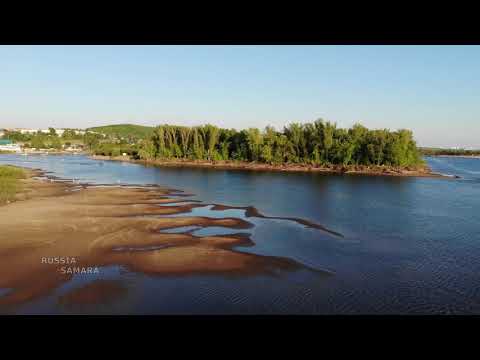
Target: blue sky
433 90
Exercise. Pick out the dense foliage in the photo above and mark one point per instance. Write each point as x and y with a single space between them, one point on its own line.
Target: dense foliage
115 149
41 140
454 152
317 143
127 132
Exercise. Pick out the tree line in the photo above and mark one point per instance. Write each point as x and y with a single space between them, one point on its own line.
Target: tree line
454 152
44 140
316 143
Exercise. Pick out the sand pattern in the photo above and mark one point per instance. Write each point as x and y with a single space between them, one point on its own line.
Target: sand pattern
58 228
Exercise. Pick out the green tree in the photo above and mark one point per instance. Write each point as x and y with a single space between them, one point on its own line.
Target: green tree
148 150
198 149
320 142
56 143
211 135
37 143
255 143
185 133
296 137
69 134
91 140
328 132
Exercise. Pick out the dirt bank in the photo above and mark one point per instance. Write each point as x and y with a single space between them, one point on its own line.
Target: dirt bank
234 165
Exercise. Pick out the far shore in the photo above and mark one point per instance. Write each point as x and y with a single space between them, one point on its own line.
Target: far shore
44 152
457 156
373 170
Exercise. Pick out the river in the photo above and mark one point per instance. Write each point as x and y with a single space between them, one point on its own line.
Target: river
409 245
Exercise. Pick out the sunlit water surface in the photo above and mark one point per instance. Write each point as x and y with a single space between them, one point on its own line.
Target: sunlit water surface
410 246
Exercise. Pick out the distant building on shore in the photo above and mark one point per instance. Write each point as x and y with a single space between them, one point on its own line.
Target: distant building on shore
8 145
59 132
26 131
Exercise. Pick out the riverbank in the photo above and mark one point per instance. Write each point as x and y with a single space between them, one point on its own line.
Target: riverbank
57 230
234 165
458 156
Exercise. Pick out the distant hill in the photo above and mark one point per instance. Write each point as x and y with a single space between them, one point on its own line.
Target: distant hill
124 130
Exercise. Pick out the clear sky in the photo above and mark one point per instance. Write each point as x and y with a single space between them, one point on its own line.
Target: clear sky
433 90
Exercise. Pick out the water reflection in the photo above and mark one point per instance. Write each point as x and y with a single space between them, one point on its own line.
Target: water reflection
410 245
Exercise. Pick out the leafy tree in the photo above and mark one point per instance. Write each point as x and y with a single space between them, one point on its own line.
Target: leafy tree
328 132
56 143
148 150
91 140
296 136
211 135
38 143
185 134
319 143
255 143
69 134
198 149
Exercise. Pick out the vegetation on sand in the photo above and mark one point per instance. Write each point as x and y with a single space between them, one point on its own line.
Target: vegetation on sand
9 182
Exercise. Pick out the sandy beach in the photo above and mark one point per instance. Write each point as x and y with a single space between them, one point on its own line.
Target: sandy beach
55 230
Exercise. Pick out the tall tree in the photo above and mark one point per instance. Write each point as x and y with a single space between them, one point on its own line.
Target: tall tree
320 142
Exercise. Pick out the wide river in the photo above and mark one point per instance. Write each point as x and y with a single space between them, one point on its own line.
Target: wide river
410 245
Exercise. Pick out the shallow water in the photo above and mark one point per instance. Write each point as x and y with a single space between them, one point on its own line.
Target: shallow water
410 245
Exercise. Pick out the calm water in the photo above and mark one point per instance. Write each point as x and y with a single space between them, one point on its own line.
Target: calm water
410 246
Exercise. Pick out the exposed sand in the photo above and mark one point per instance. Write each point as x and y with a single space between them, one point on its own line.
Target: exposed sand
102 226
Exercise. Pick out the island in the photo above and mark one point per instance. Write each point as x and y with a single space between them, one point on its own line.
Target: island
309 147
319 146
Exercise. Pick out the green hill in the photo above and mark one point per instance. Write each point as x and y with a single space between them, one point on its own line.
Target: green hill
124 131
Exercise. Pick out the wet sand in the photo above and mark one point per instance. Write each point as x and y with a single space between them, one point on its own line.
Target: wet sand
251 211
56 228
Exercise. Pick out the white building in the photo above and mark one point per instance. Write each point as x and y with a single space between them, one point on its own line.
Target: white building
46 131
27 131
11 148
59 132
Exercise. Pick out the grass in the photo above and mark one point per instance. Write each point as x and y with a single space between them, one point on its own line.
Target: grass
125 130
9 183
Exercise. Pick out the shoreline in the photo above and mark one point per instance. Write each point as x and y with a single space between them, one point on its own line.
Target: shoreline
457 156
91 227
376 170
26 153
